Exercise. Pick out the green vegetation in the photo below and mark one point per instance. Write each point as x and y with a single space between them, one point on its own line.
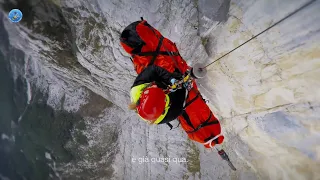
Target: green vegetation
80 138
95 105
193 158
57 2
97 45
90 24
196 3
185 177
204 41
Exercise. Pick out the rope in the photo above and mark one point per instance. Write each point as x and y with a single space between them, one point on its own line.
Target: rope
286 17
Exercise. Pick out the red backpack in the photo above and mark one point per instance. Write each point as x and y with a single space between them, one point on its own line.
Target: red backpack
148 47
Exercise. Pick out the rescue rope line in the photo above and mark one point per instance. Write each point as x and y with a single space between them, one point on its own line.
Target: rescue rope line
278 22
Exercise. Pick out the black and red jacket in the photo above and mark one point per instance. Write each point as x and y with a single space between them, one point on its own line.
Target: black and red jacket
161 78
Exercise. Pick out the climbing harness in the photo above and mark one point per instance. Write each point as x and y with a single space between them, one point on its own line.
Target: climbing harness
185 82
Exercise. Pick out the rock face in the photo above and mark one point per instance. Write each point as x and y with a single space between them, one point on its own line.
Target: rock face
267 90
265 93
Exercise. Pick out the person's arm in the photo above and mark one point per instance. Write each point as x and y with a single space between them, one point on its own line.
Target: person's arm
154 73
147 76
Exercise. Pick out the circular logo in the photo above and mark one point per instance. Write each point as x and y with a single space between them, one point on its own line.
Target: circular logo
15 15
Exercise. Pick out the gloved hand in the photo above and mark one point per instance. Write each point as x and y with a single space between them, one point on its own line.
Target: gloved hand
173 81
188 85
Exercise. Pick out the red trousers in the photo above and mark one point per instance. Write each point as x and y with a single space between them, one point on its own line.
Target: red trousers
198 120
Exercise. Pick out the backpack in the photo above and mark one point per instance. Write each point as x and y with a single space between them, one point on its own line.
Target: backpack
148 47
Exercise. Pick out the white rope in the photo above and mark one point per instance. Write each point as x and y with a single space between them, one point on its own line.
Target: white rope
212 139
185 99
